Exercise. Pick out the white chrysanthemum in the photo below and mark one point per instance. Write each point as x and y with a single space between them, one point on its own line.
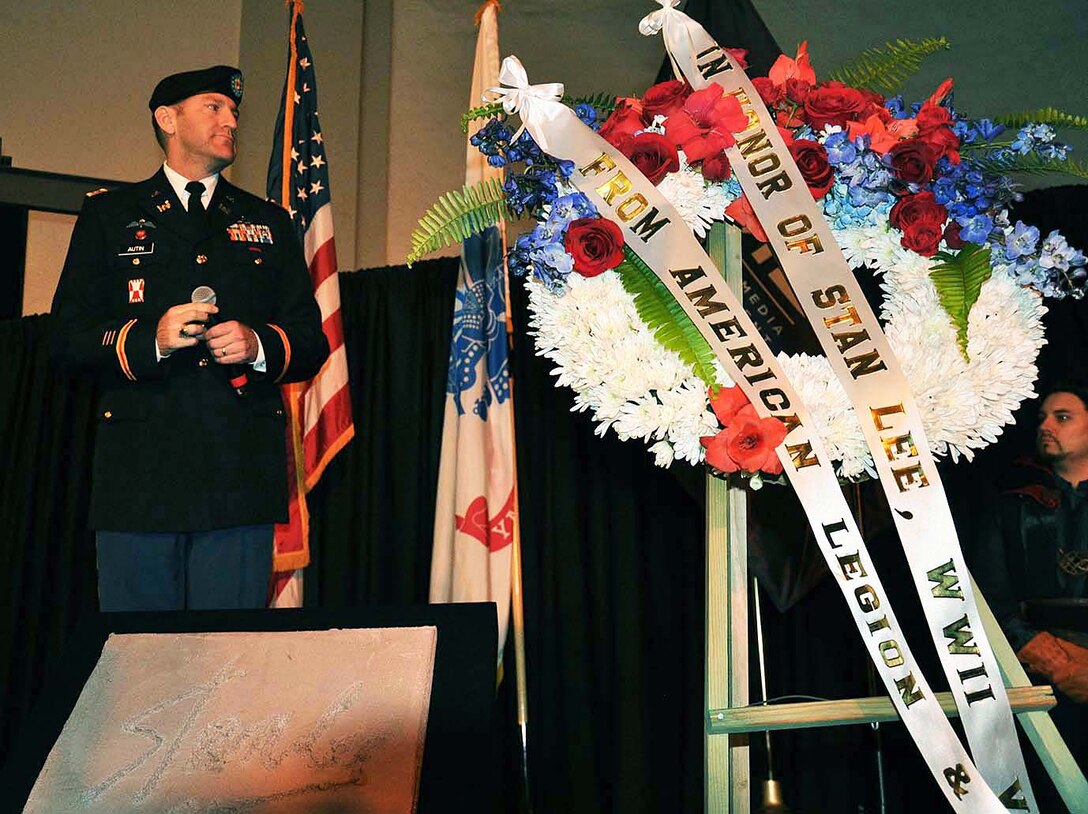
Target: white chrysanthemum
700 204
638 389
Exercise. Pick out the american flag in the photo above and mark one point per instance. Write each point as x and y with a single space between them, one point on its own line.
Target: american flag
320 409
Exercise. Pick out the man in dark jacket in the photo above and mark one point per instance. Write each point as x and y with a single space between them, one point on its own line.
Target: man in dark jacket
1032 558
190 301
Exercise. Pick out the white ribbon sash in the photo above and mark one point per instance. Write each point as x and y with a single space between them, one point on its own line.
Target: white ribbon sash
863 361
657 233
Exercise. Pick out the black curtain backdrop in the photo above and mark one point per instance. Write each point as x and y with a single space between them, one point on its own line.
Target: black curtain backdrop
47 566
613 562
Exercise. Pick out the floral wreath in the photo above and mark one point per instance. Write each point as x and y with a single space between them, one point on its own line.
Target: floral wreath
917 194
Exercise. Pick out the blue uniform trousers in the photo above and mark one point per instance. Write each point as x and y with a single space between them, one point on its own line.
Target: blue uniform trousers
224 569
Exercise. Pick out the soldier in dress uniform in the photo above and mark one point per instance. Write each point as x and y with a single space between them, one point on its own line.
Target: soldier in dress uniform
189 301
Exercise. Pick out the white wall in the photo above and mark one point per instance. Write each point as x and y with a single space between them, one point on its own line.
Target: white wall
76 80
77 77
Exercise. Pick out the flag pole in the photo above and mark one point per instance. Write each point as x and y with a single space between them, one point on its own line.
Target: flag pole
517 601
517 597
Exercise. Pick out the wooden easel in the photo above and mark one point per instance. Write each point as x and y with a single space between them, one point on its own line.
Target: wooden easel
727 781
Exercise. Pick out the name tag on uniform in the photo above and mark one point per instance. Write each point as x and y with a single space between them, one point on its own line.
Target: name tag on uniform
137 249
250 232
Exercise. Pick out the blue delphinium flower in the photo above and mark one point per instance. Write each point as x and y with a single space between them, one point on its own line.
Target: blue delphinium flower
1033 136
517 257
1021 240
988 130
895 106
571 207
588 114
976 228
1056 253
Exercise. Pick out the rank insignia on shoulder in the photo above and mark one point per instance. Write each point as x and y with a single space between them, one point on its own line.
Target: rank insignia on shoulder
98 191
136 290
250 232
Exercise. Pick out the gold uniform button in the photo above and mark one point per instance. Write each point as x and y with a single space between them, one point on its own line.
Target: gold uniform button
107 414
257 261
203 363
201 259
135 261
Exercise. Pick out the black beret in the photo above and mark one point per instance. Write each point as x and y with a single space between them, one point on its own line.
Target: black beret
223 79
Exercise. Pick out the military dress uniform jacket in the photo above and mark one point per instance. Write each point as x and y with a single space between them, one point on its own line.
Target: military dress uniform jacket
177 449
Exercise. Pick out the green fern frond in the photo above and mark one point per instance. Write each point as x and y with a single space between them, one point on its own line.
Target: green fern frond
603 102
457 216
959 280
1045 115
488 111
1030 164
887 69
672 328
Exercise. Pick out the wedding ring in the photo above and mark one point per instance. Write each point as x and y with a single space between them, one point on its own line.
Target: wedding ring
222 352
182 332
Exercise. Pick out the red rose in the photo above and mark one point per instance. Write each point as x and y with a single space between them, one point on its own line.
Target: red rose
875 105
596 244
952 235
912 161
771 93
923 239
748 443
625 120
653 154
835 103
921 220
716 168
664 98
705 125
797 90
811 158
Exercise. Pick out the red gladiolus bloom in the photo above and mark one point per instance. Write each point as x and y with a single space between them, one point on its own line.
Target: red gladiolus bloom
741 213
705 125
727 402
748 443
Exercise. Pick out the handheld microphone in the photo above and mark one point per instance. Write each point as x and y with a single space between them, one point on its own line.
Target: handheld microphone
237 374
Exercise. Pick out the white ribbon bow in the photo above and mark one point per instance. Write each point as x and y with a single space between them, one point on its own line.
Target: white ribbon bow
653 22
673 25
531 102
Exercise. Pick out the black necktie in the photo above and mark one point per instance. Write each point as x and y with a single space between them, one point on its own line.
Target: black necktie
196 205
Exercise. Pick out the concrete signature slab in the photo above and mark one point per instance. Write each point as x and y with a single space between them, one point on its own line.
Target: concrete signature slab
261 723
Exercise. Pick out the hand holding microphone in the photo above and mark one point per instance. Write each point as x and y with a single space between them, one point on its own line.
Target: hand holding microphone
229 343
182 326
